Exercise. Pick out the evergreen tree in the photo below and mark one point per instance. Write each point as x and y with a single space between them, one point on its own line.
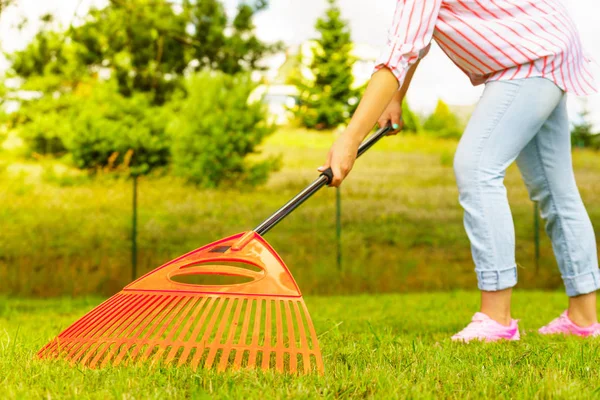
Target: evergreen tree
325 97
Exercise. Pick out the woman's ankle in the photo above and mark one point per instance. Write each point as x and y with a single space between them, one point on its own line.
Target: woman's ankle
496 305
582 310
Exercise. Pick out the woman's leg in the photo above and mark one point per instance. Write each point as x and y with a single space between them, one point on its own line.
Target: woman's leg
547 169
507 117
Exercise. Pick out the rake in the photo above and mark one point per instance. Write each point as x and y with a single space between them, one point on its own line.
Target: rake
263 323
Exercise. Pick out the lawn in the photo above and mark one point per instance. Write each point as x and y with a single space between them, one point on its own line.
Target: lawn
378 346
63 233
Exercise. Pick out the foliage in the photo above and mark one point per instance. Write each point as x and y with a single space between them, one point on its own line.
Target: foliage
443 123
582 134
216 130
326 98
220 44
109 130
49 63
144 46
43 123
98 127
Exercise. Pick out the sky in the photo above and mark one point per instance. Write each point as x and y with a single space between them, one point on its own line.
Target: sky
292 21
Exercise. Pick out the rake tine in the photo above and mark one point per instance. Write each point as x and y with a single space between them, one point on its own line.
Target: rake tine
215 344
123 344
255 334
204 342
129 307
232 330
91 318
155 321
180 305
120 321
127 329
237 363
50 347
196 309
78 326
291 337
196 331
268 345
279 344
119 327
313 335
303 341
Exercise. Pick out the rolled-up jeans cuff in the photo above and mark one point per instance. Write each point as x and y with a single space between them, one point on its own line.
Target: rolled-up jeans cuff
583 283
491 280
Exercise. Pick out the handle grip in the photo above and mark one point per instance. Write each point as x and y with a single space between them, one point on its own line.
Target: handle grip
364 146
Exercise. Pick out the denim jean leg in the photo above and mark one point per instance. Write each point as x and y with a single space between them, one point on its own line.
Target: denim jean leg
507 117
547 170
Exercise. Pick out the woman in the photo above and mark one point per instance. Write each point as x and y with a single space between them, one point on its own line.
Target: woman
528 54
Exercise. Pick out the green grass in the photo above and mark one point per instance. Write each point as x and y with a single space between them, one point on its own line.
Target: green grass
380 346
64 234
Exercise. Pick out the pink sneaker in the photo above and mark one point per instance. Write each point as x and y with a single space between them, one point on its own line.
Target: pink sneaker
564 325
486 329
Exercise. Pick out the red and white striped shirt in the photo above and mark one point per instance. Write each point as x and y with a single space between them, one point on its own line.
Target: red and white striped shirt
491 40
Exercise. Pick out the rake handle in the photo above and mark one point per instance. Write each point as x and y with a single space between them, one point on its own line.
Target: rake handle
323 180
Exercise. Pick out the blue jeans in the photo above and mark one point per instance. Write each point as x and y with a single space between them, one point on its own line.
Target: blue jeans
524 120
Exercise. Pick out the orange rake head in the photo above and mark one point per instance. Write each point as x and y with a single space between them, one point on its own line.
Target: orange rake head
262 323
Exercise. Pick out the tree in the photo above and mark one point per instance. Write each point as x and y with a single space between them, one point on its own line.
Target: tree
325 98
442 122
143 46
217 129
219 44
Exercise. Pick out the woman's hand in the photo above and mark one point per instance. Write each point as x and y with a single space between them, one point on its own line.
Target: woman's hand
341 158
392 115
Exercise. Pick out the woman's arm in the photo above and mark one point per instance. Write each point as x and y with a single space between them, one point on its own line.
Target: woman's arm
408 42
381 90
393 112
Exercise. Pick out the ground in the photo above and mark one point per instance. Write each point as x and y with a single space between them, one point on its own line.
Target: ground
376 346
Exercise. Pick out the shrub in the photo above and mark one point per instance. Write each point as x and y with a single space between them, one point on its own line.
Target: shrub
108 130
443 123
42 123
217 129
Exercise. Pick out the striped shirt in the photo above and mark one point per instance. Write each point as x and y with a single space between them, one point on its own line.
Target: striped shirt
491 40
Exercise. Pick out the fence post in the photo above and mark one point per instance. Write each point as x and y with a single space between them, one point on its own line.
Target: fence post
338 226
134 231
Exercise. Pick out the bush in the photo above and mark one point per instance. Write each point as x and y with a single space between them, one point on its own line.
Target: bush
109 130
217 129
42 123
443 123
